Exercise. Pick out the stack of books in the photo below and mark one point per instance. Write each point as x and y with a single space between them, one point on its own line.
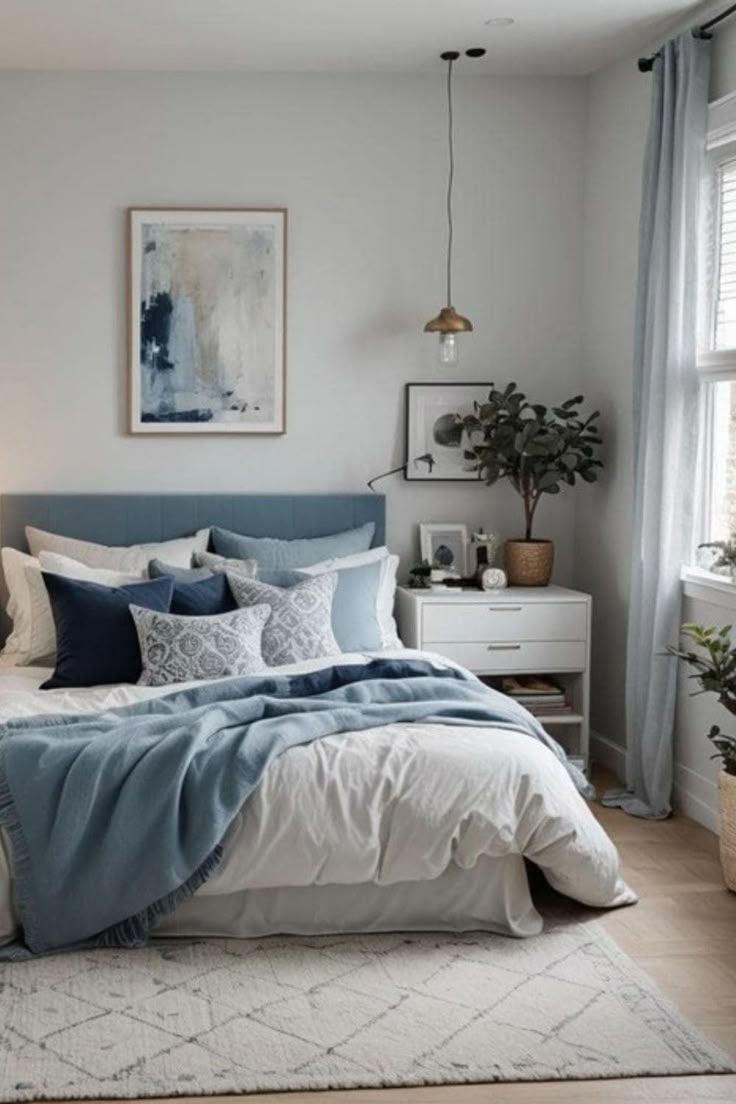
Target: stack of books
537 694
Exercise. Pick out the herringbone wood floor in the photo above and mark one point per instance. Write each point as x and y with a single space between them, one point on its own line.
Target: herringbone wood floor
682 932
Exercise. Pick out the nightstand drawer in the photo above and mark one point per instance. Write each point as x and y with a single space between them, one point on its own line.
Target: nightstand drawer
499 621
513 656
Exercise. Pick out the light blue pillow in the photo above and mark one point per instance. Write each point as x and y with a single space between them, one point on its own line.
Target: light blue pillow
276 555
355 620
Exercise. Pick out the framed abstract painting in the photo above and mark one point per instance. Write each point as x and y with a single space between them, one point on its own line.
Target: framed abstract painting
435 443
207 304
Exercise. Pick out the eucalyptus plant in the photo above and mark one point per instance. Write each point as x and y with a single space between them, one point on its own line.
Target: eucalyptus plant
537 448
713 660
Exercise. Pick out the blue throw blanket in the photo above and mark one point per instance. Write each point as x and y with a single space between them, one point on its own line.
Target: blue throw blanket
116 817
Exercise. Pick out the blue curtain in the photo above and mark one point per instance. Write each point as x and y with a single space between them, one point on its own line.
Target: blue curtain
666 416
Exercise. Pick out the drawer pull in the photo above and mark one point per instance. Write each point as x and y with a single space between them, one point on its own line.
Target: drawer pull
505 609
504 647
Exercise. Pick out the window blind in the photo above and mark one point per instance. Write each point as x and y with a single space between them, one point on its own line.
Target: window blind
724 312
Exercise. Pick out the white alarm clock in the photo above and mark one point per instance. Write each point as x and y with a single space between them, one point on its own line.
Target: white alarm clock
493 578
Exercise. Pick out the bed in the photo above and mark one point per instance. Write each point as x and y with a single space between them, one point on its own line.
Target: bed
399 826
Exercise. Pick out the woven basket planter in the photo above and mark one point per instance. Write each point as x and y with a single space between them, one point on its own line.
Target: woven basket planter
727 787
528 563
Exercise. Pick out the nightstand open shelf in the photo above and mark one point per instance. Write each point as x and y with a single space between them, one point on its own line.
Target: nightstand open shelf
517 631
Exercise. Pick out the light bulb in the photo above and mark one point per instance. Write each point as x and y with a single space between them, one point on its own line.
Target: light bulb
449 352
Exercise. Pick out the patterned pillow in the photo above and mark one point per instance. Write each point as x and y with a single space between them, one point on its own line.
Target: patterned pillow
300 624
183 649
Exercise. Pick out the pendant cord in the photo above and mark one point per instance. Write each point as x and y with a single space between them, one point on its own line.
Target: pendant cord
450 180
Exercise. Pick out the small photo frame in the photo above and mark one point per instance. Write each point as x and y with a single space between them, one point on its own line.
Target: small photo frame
446 544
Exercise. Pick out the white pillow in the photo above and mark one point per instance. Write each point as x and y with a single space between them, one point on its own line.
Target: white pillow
17 648
386 586
34 633
133 558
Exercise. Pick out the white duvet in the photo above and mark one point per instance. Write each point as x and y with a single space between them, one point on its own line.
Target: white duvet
396 804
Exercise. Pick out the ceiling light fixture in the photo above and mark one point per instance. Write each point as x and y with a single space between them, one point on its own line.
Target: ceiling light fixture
448 323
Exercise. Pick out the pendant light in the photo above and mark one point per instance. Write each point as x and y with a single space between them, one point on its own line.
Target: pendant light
448 323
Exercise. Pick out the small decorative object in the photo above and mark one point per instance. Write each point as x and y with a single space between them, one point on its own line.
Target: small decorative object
714 664
207 321
486 546
538 450
493 578
445 546
419 575
448 323
433 434
722 557
437 578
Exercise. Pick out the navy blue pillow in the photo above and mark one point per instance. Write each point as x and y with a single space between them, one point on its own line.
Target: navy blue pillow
96 641
157 569
203 598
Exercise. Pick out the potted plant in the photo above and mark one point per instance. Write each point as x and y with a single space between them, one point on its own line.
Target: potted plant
713 661
421 573
725 557
539 450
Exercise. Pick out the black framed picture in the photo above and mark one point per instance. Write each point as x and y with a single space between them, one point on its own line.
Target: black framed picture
435 444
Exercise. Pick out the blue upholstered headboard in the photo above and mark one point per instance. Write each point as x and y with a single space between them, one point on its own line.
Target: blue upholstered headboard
141 518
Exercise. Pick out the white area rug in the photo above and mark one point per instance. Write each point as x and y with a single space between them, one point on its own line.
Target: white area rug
229 1016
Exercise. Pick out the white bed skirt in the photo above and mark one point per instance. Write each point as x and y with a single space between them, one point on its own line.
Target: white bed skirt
493 896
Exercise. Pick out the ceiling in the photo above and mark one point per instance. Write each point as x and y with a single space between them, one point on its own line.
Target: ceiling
548 37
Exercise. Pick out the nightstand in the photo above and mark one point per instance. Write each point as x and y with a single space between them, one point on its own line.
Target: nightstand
517 631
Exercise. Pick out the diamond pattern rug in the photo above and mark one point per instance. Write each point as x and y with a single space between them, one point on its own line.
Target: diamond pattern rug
236 1016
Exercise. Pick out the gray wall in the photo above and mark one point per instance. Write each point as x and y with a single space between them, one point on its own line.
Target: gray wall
360 162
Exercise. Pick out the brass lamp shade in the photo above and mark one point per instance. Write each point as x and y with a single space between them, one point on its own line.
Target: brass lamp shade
449 321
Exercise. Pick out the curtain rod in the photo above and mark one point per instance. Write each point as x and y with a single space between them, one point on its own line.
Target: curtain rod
646 64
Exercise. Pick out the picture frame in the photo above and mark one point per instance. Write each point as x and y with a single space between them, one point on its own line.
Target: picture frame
207 347
434 445
450 541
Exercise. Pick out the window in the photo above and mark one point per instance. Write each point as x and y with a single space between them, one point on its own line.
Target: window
717 338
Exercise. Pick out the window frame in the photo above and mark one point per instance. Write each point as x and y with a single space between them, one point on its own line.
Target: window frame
713 365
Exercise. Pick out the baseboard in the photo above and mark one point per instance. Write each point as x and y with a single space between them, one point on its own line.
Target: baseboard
693 795
608 753
696 797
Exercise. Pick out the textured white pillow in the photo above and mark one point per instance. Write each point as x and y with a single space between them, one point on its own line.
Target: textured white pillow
17 648
386 587
183 649
133 558
34 634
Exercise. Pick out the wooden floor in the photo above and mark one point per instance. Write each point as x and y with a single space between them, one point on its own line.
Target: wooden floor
682 932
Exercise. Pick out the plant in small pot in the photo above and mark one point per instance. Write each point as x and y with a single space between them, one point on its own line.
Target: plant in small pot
539 450
724 556
713 660
421 573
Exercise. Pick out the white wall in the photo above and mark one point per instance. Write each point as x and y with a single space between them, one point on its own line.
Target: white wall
617 124
724 60
360 163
